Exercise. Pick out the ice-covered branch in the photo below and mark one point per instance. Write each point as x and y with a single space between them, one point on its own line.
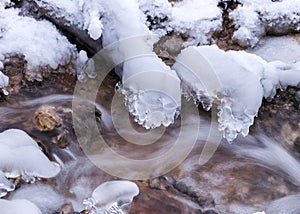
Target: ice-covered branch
237 81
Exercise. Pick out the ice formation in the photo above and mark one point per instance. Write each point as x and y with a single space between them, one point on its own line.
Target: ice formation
39 41
151 89
18 206
236 80
110 196
20 155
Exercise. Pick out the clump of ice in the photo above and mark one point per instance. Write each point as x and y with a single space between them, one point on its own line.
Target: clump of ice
197 19
236 80
39 41
18 206
110 196
20 155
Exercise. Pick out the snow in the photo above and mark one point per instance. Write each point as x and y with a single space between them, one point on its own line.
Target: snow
18 206
236 80
39 41
83 14
198 19
112 193
284 48
256 18
20 155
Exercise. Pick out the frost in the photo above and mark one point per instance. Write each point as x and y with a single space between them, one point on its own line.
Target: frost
236 80
20 155
39 41
149 99
18 206
110 196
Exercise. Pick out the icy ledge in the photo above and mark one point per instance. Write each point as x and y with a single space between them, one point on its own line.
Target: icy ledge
235 80
110 196
20 155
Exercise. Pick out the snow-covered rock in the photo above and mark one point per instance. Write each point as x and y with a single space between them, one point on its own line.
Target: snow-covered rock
197 19
39 41
236 80
256 18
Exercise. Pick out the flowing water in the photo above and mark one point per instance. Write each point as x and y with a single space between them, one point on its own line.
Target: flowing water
250 175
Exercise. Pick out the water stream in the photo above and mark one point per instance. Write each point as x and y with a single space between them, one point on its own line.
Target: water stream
252 174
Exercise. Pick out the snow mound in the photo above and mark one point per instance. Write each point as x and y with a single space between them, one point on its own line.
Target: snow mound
39 41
